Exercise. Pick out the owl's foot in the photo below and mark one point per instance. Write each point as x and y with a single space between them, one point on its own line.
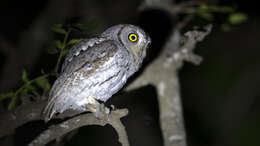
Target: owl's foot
112 107
102 108
102 111
107 110
99 110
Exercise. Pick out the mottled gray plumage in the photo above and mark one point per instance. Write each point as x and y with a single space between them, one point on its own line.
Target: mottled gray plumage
97 68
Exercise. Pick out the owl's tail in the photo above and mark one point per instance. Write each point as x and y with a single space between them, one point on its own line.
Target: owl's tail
48 111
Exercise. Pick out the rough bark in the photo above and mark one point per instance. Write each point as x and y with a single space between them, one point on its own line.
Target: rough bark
67 126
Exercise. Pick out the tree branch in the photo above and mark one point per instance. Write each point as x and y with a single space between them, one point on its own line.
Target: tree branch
33 111
56 131
167 82
10 120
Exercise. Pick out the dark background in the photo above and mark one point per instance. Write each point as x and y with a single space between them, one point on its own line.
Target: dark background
220 97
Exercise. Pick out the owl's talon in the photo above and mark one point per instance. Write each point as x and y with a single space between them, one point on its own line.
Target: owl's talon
112 107
107 110
98 111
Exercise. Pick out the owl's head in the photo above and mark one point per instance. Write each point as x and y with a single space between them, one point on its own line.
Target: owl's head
133 38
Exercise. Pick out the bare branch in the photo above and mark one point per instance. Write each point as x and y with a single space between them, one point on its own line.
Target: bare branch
33 111
167 83
28 111
21 115
59 130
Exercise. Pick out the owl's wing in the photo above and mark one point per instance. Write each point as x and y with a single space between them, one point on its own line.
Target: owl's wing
82 46
87 60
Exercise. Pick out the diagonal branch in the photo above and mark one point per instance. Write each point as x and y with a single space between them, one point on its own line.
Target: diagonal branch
59 130
10 120
33 111
28 111
167 82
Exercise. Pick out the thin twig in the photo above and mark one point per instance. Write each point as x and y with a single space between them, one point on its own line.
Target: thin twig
16 97
184 22
61 51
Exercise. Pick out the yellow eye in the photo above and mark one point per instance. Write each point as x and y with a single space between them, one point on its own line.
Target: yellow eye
132 37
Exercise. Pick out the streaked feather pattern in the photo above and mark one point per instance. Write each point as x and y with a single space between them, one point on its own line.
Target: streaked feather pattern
94 70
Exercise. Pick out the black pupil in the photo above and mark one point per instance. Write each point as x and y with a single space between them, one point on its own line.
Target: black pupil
133 37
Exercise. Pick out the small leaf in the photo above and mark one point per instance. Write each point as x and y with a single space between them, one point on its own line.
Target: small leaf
203 7
12 104
207 16
74 41
225 27
40 82
48 86
93 24
226 9
87 27
220 9
59 44
29 88
81 26
43 83
215 8
6 95
52 50
237 18
65 52
58 28
25 76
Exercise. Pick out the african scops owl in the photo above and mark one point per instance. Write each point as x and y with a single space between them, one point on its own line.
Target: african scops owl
96 68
